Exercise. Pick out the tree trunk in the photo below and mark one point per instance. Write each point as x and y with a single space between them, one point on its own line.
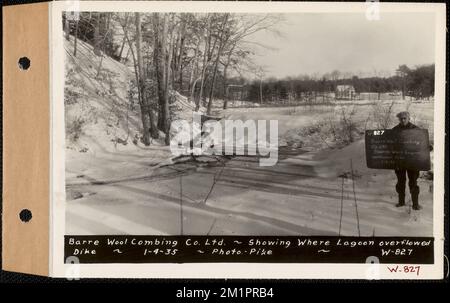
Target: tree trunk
121 49
211 91
125 29
99 68
76 39
225 69
127 55
225 98
67 28
97 36
403 89
180 49
163 71
101 45
216 64
193 90
194 67
159 53
145 109
168 85
260 91
204 66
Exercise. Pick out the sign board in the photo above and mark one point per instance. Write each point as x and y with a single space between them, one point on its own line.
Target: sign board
394 149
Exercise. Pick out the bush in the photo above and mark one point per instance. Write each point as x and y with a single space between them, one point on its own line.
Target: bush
341 130
74 128
70 96
382 115
347 127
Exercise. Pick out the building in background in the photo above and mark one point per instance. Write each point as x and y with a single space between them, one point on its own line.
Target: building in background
345 92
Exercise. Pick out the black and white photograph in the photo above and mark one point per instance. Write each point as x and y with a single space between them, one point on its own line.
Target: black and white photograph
259 124
324 79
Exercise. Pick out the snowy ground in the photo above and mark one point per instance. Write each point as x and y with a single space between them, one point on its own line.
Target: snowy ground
126 193
117 186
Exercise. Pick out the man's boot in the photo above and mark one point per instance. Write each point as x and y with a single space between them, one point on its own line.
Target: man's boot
415 201
401 200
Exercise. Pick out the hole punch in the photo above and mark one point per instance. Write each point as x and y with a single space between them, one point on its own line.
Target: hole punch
25 215
24 63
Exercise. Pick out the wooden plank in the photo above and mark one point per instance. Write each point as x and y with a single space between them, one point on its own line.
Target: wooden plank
26 138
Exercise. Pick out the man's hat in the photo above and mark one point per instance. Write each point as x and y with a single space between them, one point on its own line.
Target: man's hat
403 114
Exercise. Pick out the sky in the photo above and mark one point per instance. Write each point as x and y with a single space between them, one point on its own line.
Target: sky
320 43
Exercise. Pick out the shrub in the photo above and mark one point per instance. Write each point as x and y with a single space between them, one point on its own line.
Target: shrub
74 128
382 115
347 128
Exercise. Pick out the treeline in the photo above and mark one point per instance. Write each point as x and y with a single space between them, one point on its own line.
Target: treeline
194 54
415 82
199 55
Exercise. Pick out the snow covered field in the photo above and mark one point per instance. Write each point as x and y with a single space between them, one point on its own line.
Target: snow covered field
115 186
300 195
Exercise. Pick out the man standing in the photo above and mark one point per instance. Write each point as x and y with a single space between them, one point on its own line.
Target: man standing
401 173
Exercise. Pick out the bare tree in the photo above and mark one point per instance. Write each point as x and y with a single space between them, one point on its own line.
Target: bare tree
66 27
206 59
141 78
125 32
76 39
147 112
173 52
222 40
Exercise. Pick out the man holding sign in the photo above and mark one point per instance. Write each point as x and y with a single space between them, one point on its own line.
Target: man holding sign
405 149
401 173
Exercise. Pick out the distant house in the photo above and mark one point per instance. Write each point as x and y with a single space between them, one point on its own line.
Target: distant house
345 92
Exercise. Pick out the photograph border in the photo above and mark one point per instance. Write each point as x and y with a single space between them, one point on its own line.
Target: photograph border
233 270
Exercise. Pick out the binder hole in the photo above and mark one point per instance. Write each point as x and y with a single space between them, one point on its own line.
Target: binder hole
24 63
25 215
